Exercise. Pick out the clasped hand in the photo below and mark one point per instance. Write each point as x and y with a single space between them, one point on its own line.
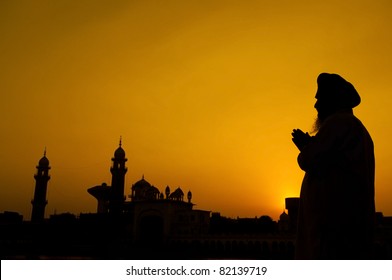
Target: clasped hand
300 138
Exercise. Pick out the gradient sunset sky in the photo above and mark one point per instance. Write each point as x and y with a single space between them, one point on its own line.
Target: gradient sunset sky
205 95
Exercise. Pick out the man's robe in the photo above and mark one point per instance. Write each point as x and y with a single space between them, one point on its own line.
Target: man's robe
336 212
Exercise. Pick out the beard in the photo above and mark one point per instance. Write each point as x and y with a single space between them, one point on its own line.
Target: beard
316 125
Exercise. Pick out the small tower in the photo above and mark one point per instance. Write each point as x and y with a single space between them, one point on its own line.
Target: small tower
167 192
41 183
118 171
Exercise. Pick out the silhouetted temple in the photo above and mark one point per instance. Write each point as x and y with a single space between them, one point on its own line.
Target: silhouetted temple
150 213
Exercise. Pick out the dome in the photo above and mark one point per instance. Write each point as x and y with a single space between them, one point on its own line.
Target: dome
119 153
141 184
43 161
178 194
152 193
143 190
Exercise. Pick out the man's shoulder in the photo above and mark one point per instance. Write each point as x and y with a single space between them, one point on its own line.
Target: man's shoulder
341 123
343 118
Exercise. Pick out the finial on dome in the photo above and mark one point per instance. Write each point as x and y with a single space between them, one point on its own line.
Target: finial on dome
44 160
119 153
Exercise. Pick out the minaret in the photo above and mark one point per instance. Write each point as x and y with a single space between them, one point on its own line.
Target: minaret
41 182
118 171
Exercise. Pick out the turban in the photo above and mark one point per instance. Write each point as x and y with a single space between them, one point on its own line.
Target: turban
334 88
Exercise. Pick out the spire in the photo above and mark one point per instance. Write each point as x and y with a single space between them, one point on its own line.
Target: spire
41 183
44 162
118 171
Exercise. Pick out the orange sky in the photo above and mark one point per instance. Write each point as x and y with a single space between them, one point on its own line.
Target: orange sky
205 95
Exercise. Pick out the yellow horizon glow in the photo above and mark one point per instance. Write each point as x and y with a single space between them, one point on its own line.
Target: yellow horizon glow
204 94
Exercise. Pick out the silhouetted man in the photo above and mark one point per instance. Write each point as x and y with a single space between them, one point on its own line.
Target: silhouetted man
336 212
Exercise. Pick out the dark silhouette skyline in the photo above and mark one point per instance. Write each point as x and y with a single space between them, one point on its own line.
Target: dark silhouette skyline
155 224
204 92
